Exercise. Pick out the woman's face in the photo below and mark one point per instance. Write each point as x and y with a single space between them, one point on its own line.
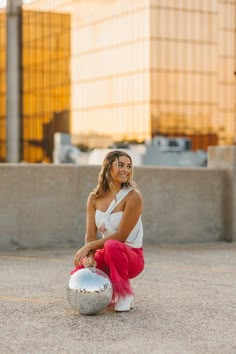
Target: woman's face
121 169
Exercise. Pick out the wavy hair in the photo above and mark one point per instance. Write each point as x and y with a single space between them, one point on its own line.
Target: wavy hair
105 178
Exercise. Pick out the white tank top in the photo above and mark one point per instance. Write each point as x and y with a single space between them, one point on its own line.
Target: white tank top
107 222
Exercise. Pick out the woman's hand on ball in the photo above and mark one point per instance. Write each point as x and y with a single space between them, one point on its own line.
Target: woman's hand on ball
89 262
81 254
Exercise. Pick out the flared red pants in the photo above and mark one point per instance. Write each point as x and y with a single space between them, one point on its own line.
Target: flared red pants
121 263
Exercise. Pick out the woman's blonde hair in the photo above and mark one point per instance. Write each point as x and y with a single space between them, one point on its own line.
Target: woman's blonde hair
105 178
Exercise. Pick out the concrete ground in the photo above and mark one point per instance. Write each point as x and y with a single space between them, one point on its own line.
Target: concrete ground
185 303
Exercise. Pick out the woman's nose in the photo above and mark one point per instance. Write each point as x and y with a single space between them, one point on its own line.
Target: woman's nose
124 169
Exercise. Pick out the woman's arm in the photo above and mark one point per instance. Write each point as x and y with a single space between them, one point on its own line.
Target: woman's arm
90 235
91 229
132 212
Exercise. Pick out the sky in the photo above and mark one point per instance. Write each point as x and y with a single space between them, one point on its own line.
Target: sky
3 3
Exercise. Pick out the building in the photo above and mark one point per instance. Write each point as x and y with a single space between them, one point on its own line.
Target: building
45 89
147 67
159 67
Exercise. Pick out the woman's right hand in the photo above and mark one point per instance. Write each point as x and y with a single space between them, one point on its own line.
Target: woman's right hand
89 261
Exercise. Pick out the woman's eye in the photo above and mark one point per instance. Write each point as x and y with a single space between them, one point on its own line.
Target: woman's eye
122 165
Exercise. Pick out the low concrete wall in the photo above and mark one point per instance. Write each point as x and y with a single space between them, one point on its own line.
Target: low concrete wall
45 205
182 205
224 158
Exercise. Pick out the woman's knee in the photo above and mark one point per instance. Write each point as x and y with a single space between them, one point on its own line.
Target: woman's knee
113 245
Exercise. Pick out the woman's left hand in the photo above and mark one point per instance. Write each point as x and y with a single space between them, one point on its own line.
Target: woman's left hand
81 254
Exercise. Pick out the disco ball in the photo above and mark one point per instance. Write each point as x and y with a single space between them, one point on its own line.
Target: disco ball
89 291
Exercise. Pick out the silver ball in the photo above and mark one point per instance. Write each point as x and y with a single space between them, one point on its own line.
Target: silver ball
89 291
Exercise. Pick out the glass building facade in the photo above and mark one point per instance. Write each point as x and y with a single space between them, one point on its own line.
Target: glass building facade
111 88
192 70
45 93
126 70
45 82
2 85
226 71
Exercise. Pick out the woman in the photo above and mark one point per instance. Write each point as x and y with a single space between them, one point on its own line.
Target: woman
114 209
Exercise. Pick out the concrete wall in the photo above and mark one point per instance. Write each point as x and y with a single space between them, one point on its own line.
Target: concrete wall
45 205
182 205
225 159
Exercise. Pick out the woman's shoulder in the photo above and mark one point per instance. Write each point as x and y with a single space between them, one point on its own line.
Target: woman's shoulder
134 195
134 200
91 200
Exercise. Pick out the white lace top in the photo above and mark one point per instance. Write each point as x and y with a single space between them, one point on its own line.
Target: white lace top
107 222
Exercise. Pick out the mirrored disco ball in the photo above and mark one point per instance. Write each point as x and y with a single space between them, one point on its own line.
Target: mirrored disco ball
89 291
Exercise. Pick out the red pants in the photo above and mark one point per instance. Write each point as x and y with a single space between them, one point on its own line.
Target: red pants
121 263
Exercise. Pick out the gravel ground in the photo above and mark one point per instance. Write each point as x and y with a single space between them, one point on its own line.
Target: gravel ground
185 303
